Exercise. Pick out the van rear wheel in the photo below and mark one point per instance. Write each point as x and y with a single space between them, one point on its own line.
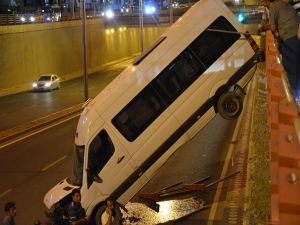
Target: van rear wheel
117 215
230 105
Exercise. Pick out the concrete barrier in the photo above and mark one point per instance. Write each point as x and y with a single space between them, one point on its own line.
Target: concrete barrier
28 51
283 142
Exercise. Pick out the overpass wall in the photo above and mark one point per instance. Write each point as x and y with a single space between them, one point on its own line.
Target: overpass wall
26 51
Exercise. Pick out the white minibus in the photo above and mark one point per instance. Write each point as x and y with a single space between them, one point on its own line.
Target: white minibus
197 68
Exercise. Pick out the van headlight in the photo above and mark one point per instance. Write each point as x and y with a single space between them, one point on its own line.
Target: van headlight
34 85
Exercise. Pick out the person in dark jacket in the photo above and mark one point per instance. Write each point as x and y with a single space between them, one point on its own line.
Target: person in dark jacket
11 212
284 23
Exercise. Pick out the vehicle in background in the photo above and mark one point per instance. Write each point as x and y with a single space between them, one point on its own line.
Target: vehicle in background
51 14
150 7
125 9
108 12
28 18
177 5
158 103
46 82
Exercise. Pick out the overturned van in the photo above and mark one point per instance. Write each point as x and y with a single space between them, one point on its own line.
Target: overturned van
196 69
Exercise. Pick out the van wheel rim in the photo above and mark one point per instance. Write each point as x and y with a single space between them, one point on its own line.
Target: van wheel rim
231 106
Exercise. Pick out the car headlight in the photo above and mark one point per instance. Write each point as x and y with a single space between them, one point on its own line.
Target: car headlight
109 14
34 85
32 19
48 84
23 19
150 9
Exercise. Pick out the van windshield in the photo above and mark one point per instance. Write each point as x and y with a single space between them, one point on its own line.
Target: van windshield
78 156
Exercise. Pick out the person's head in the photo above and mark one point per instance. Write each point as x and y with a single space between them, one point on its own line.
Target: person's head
10 209
76 196
109 203
267 3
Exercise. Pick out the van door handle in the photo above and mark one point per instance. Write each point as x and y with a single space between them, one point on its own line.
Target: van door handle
120 159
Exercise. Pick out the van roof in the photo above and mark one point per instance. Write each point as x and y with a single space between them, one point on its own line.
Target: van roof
211 11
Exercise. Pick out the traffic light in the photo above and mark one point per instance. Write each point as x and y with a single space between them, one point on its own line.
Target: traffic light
241 17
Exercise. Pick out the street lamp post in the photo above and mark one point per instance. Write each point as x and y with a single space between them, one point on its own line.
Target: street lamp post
73 9
141 24
171 11
85 75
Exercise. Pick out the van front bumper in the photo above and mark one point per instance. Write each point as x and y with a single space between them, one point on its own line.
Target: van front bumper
57 193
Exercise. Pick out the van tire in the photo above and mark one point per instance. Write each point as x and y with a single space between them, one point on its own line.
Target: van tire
101 209
229 105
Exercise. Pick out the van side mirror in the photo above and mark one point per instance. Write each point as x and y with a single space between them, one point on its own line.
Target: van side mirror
93 176
97 179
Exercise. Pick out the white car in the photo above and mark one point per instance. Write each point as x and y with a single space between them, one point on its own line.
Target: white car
47 82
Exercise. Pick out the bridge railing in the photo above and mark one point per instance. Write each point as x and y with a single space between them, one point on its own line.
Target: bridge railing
284 148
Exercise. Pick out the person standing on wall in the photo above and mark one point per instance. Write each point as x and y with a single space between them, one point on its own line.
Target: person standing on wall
284 23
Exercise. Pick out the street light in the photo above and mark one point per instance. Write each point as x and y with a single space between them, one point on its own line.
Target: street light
141 24
83 19
171 11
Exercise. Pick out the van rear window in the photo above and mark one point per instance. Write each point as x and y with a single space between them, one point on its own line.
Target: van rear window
187 67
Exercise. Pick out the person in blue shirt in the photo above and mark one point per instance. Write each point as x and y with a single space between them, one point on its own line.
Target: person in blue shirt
76 213
11 212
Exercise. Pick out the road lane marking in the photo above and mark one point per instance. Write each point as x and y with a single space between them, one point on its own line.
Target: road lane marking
52 164
36 132
227 163
5 192
29 107
225 169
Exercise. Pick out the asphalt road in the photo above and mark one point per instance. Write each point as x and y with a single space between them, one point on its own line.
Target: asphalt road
29 168
27 106
203 156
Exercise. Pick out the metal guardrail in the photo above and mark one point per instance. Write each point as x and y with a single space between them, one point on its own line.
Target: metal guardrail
9 20
18 19
162 16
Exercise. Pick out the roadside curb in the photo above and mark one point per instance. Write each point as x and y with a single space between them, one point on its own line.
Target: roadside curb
40 122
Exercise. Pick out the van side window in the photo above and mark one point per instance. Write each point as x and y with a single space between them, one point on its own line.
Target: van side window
101 150
210 45
143 109
139 113
178 76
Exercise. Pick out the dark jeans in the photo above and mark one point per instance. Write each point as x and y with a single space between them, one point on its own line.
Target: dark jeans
290 51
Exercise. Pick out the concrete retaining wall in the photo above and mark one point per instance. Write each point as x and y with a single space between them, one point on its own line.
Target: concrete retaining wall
26 51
